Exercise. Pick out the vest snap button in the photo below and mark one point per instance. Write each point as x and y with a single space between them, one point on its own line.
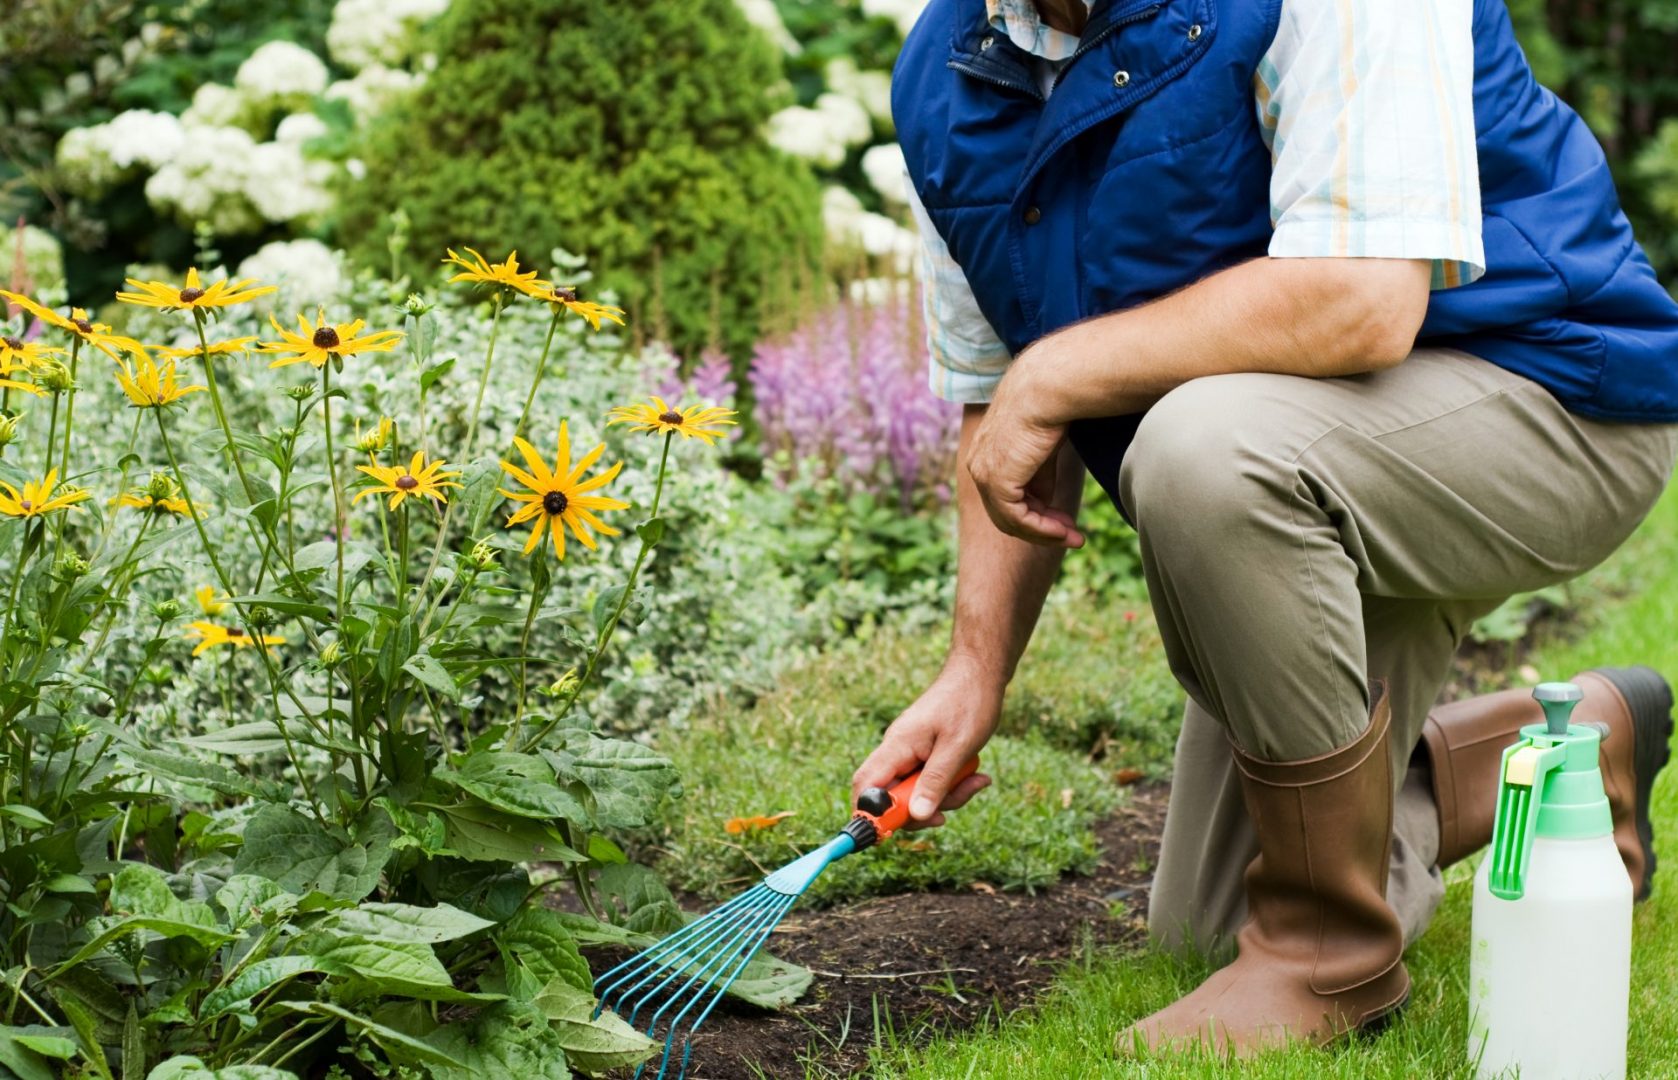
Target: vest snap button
1194 32
985 45
1121 79
1033 216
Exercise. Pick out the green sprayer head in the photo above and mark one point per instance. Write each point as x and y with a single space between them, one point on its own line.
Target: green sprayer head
1550 786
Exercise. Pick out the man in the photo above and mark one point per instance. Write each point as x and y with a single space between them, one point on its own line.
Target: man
1340 308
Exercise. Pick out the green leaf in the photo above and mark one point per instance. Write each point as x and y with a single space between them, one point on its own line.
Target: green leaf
403 922
540 941
27 815
407 968
508 1042
82 1018
133 1044
483 834
162 765
402 1047
428 670
68 883
302 857
521 784
24 1063
186 1067
770 982
236 995
651 531
243 740
639 899
246 897
167 928
53 1046
429 377
594 1046
628 780
605 606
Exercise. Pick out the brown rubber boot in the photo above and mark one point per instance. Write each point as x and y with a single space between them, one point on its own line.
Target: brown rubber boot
1466 739
1321 953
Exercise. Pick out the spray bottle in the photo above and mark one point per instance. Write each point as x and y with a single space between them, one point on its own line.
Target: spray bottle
1550 972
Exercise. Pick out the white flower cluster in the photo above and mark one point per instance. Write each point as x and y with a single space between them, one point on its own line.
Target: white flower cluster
887 173
96 157
870 88
373 89
281 73
902 12
218 105
848 224
822 134
364 33
224 177
307 272
764 15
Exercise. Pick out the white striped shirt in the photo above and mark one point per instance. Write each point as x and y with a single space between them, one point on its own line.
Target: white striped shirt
1367 107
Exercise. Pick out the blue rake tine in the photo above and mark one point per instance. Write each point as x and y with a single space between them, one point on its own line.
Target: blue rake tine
651 958
740 952
693 953
701 963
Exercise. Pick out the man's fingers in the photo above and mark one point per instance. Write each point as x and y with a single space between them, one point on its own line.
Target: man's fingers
937 777
893 758
958 796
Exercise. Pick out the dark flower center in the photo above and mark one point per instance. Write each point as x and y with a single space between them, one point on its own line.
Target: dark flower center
189 295
555 502
234 631
26 505
14 344
326 338
83 325
565 294
406 482
671 417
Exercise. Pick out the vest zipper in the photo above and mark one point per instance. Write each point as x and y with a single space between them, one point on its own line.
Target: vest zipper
996 80
1102 35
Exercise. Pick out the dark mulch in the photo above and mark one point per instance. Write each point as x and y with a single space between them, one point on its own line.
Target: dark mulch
933 960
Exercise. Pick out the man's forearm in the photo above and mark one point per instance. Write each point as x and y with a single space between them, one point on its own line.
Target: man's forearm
1001 581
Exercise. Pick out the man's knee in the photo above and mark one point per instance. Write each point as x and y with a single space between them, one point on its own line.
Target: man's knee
1204 456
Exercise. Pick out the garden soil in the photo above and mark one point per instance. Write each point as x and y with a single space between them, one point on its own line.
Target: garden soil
937 960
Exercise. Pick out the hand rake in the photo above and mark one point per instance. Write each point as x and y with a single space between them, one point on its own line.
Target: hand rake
694 967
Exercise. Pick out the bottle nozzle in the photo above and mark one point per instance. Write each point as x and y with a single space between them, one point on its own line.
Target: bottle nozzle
1558 700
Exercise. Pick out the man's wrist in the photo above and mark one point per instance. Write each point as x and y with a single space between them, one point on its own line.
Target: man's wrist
986 675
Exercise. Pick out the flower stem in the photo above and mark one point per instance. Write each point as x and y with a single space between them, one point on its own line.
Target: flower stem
541 369
606 631
524 661
69 406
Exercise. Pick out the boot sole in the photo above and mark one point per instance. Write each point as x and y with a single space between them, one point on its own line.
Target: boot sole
1649 699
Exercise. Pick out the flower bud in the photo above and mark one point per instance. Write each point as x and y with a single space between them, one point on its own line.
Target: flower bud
261 618
482 556
372 442
415 306
332 653
53 377
9 428
166 610
160 486
71 566
300 392
565 685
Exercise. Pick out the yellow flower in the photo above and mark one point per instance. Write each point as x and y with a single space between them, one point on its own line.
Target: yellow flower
560 497
566 297
37 497
161 496
207 601
694 422
378 439
419 480
317 341
507 274
217 348
193 296
151 387
96 334
209 635
17 354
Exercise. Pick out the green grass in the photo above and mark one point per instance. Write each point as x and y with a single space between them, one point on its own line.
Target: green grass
1068 1033
1093 679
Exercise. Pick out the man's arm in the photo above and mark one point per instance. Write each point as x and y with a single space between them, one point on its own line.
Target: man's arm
1001 583
1312 317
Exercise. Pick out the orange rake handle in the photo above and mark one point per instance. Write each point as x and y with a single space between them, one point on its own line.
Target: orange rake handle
887 809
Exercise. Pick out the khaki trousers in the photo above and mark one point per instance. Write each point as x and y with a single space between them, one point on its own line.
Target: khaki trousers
1302 536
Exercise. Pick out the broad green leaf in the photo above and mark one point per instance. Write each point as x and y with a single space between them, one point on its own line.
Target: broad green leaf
429 377
53 1046
167 928
162 765
302 856
243 740
592 1045
651 531
627 780
406 968
540 941
247 897
186 1067
86 1023
402 1047
27 815
521 784
68 883
639 899
23 1062
507 1042
483 834
428 670
422 829
770 982
133 1044
236 995
402 922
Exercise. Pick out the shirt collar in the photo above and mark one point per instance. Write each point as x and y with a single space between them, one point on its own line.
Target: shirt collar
1019 19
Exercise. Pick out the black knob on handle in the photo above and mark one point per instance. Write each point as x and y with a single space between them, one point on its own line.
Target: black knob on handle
874 801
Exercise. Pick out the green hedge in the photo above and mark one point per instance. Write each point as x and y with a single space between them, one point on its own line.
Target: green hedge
627 133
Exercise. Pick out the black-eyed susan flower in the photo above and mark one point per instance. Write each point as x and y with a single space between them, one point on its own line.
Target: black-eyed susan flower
209 635
375 441
481 271
216 348
565 296
318 341
694 422
192 296
209 602
37 497
150 385
19 355
79 324
160 497
420 480
561 497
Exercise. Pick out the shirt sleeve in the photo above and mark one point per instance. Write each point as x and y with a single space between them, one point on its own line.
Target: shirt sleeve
1368 108
968 359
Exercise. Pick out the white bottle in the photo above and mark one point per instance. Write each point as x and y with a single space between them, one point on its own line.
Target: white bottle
1550 972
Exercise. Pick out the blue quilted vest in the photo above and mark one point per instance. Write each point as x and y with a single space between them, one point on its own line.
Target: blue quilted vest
1145 171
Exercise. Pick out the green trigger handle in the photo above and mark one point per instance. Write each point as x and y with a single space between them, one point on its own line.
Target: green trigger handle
1525 768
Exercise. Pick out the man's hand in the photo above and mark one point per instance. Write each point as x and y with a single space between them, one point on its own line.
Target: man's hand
948 724
1014 465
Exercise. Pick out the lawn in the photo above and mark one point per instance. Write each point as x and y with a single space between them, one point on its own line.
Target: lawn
1067 1034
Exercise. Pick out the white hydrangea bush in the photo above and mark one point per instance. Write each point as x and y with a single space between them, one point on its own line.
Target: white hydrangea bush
96 158
281 74
307 272
364 33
